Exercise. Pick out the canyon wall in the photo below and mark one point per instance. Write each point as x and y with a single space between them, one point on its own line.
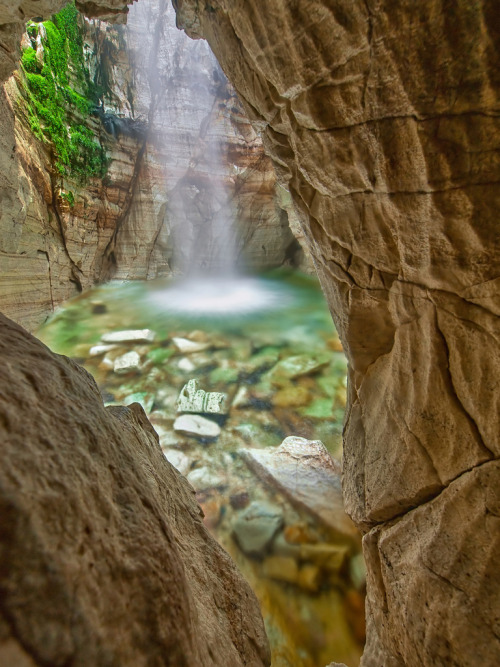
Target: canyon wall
383 120
180 164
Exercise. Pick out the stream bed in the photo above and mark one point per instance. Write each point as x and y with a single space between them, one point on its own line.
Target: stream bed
268 344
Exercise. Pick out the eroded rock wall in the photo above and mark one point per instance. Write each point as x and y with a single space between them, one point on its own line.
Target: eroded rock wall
104 558
383 120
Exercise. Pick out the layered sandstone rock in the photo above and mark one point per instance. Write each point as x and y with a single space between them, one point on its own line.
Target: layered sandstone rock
383 121
104 558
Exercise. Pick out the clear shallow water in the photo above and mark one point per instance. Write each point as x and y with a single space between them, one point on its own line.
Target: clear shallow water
245 329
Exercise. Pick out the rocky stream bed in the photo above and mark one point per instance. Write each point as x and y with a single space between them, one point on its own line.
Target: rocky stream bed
264 459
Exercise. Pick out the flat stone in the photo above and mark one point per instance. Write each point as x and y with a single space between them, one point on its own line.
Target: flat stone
205 478
298 365
186 346
197 426
305 472
178 459
128 363
97 350
129 336
255 528
186 365
194 399
282 568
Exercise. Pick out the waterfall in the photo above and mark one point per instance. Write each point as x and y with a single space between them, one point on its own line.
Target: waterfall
186 88
187 97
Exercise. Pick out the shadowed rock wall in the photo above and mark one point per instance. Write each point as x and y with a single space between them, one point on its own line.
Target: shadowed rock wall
383 120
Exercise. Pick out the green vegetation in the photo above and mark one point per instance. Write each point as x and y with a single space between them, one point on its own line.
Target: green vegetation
56 112
69 197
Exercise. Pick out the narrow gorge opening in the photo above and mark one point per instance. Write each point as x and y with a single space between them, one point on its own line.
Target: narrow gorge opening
152 171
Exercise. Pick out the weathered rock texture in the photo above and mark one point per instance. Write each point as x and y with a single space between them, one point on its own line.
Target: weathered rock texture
15 13
383 119
184 163
104 559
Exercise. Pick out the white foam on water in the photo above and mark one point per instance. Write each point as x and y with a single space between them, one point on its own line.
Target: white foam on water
220 296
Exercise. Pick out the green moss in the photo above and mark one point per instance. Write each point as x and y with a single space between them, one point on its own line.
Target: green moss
69 197
51 101
29 61
32 29
67 22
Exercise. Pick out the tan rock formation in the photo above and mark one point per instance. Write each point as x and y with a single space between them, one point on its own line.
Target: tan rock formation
104 558
383 120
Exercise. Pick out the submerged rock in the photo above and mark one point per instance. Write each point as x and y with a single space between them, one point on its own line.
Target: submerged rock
305 472
186 346
197 426
97 350
256 526
296 366
178 459
129 362
129 336
205 478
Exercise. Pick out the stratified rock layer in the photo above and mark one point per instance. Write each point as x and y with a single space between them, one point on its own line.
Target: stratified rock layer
104 559
383 119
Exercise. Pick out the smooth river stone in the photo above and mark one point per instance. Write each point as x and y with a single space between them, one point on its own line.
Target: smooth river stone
127 363
129 336
186 346
256 526
196 425
304 471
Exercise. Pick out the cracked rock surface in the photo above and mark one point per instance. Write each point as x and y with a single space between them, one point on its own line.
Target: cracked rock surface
383 120
104 559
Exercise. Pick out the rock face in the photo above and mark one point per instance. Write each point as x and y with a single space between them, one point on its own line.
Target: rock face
383 121
103 555
184 164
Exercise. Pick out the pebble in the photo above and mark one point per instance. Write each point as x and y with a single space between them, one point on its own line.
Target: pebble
329 556
239 501
178 459
282 568
197 426
97 350
357 571
255 528
295 366
186 346
205 478
128 363
309 577
291 397
212 507
129 336
186 365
